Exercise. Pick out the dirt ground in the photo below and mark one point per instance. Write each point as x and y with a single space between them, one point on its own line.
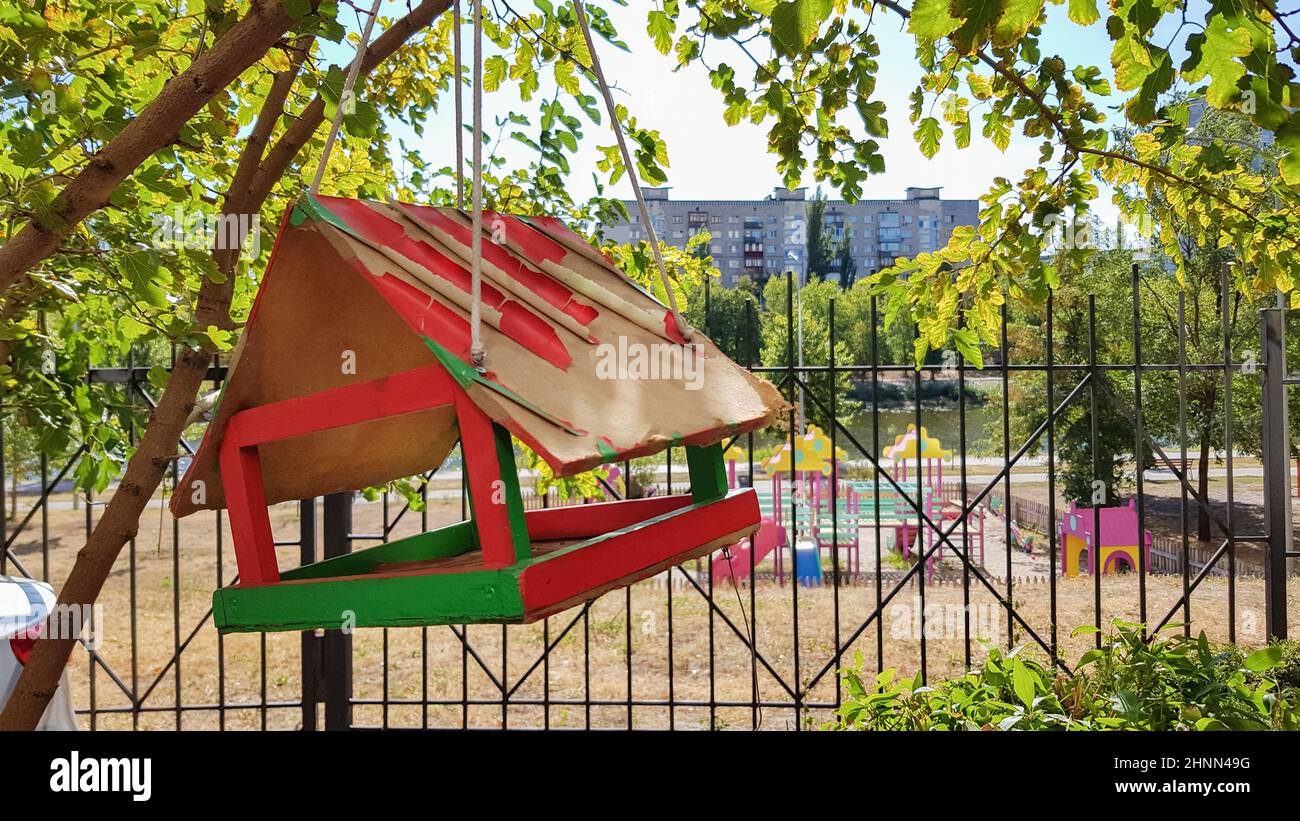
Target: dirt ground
158 599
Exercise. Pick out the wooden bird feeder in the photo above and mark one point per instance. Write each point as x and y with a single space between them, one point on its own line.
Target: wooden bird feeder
353 371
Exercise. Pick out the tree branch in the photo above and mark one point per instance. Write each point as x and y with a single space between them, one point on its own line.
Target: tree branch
157 126
253 180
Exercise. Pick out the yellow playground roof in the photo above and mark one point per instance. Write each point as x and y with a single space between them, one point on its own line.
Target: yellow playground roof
811 454
904 446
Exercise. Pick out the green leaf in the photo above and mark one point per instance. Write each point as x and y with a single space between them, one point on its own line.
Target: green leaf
979 16
1084 12
1288 139
661 28
1022 681
1132 63
795 24
1265 659
1215 54
1017 18
928 132
873 117
1142 108
495 70
297 9
930 20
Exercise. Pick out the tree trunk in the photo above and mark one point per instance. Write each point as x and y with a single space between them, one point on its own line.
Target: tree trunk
1203 488
158 125
157 448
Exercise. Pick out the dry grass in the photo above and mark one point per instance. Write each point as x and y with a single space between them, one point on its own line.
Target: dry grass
165 599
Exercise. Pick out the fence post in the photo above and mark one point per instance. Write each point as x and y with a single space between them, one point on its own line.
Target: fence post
1277 484
311 643
336 646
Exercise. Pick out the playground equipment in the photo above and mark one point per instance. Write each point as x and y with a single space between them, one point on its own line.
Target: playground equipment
354 370
831 515
1020 540
820 510
922 455
807 564
740 559
1117 547
817 523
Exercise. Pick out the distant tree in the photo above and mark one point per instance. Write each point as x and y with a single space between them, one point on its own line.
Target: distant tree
844 258
820 249
777 349
730 318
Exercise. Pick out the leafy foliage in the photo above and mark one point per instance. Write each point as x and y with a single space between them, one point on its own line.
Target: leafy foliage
1130 683
983 61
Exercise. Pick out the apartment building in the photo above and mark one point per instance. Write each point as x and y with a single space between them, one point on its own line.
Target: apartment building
760 238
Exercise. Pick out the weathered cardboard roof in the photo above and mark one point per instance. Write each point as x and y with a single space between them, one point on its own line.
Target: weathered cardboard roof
583 365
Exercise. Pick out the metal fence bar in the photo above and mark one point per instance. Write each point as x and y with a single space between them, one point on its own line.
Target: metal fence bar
815 391
1277 497
336 645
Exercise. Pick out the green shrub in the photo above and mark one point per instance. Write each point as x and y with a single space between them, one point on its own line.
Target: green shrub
1131 683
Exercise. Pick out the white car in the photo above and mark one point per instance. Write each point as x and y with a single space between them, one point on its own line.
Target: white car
24 605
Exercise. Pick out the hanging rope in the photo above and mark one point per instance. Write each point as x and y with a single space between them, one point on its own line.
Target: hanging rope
460 115
346 96
477 353
682 327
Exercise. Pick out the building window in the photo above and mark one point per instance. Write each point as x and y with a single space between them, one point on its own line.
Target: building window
715 220
677 219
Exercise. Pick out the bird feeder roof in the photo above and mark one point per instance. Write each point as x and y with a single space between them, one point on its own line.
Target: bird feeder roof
583 365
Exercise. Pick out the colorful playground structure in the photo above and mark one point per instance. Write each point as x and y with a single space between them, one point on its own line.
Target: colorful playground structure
1117 547
830 517
923 454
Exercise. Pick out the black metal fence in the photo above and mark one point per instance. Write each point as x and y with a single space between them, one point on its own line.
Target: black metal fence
760 647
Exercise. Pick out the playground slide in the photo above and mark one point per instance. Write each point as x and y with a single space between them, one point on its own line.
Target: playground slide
749 553
1021 542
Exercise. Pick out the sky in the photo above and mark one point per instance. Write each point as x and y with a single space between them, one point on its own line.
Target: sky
710 160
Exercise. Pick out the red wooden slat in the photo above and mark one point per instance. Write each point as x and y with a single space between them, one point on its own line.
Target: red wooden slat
401 393
250 525
569 576
483 471
585 521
